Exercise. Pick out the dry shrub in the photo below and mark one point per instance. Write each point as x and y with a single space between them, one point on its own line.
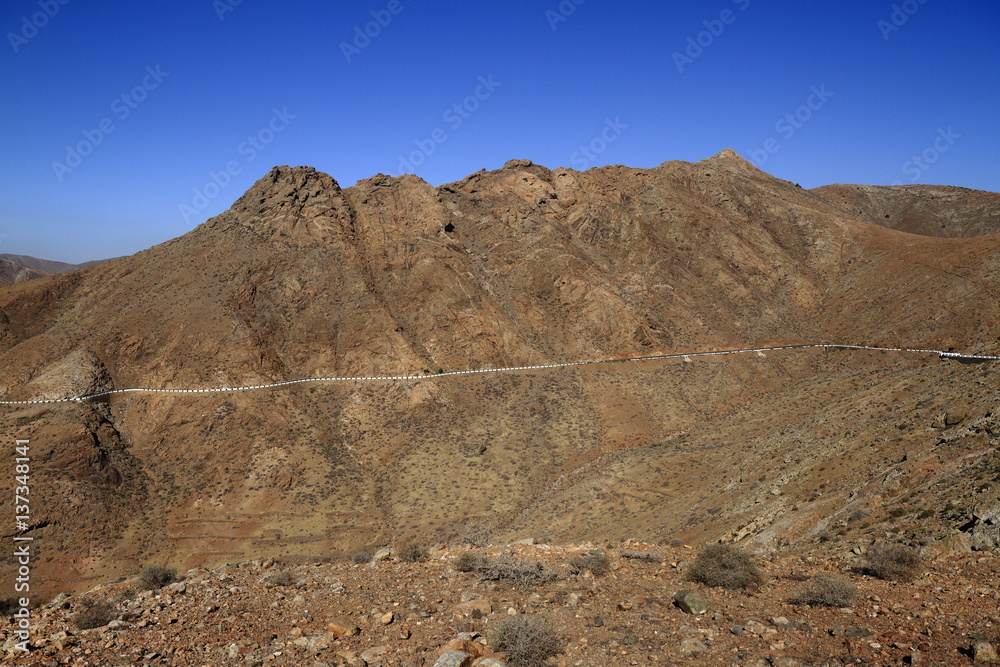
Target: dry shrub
893 562
826 590
156 576
411 553
503 568
362 556
596 561
95 613
279 579
8 606
528 640
472 561
477 535
726 566
642 556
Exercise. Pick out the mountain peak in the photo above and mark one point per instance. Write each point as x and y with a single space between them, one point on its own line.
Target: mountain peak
730 158
298 205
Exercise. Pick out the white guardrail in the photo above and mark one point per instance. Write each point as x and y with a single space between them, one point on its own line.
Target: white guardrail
969 358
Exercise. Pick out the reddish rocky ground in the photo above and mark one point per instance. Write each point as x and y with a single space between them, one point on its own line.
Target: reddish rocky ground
408 613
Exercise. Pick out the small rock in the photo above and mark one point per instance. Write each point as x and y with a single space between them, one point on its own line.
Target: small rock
342 626
351 659
598 621
692 645
857 632
984 653
465 608
373 654
691 602
454 659
780 622
489 662
386 618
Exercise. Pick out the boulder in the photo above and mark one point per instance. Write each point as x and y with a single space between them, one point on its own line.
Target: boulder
691 602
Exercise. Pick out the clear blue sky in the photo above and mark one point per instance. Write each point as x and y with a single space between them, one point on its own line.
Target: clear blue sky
200 78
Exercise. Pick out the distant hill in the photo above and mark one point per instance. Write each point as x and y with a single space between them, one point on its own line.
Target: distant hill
51 267
15 272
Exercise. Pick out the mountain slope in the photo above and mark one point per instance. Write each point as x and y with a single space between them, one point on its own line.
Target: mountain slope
931 210
13 272
522 265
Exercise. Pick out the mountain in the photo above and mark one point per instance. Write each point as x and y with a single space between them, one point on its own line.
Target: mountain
13 272
514 267
931 210
48 266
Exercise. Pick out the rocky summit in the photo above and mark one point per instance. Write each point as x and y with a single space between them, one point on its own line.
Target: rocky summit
815 452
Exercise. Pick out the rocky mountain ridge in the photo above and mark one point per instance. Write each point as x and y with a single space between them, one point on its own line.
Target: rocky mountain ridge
519 266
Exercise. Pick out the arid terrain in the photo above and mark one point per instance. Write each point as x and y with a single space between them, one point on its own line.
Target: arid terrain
790 455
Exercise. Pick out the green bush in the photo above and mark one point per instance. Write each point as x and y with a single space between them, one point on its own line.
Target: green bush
893 562
94 614
826 590
596 561
528 640
156 576
726 566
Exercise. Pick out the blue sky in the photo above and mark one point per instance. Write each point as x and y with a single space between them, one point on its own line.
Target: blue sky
127 124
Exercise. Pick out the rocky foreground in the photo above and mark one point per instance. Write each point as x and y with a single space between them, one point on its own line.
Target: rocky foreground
390 612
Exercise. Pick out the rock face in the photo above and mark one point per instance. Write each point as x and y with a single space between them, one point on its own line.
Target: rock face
519 266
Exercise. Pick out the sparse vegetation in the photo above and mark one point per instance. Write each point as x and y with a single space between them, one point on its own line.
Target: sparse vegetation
283 578
892 562
411 553
477 535
94 614
858 515
471 561
726 566
125 594
528 640
504 568
643 556
826 590
597 562
8 606
362 556
155 577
